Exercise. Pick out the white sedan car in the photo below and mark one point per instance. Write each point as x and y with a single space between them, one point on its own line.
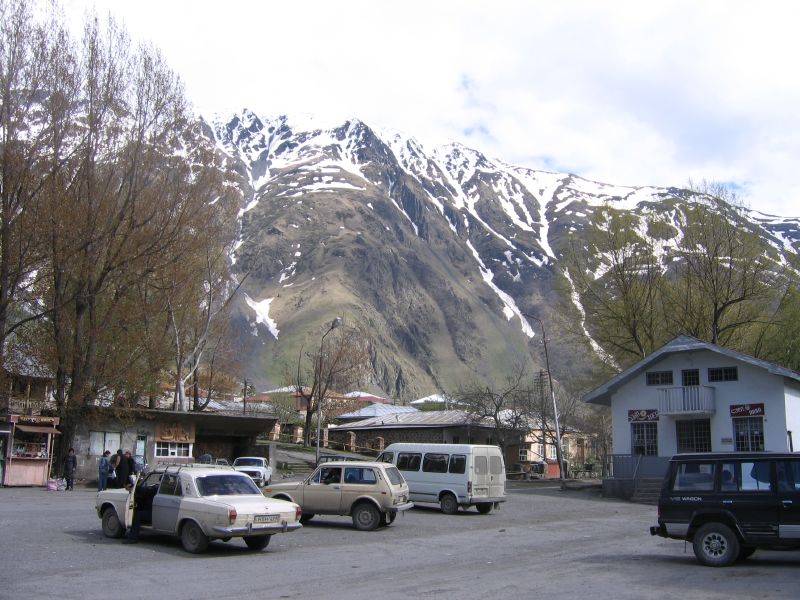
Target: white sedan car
197 503
256 466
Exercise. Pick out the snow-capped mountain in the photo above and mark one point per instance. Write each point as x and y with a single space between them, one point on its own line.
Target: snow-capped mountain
437 252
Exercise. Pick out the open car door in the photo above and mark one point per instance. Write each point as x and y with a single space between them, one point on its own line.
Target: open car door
130 502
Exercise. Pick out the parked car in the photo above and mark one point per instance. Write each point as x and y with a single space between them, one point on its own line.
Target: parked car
256 466
139 463
451 475
371 493
198 503
728 505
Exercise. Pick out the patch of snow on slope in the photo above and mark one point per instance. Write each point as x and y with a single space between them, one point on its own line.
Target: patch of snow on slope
262 314
542 186
510 308
604 356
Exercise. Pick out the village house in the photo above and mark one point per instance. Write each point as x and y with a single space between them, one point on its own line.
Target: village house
694 396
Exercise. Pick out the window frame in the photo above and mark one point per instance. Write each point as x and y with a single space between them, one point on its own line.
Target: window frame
690 375
753 436
168 447
659 378
649 442
723 374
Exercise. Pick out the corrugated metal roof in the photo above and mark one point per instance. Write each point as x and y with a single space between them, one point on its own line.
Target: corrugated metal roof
431 418
377 410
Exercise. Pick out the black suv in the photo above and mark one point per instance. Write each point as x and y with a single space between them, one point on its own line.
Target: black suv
730 504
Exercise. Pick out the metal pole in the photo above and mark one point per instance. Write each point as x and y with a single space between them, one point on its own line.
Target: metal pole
336 322
559 456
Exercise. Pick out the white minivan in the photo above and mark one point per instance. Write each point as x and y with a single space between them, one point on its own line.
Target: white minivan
451 475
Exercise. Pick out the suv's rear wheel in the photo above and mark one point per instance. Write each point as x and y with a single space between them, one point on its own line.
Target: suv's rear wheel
716 545
449 504
111 526
257 542
193 539
366 517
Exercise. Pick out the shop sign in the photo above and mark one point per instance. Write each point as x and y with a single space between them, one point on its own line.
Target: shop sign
34 419
175 432
643 415
747 410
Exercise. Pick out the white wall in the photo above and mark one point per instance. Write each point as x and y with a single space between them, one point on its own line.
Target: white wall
792 390
755 385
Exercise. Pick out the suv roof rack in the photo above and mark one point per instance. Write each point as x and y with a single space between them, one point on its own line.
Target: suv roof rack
176 467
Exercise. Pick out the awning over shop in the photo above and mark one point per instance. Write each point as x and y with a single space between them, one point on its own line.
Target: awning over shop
38 429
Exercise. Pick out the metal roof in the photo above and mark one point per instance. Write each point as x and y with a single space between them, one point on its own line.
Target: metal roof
683 343
377 410
432 418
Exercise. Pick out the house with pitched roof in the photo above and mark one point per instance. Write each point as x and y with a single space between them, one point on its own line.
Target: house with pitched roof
695 396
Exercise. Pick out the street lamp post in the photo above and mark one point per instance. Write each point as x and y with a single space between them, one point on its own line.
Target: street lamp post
334 324
553 398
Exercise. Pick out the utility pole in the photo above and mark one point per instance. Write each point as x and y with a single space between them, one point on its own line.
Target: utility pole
553 398
244 397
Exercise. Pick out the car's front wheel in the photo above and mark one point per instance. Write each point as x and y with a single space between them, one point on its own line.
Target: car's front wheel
366 517
306 517
257 542
193 539
716 545
111 526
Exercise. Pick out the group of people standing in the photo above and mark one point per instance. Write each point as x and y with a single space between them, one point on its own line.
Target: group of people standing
115 472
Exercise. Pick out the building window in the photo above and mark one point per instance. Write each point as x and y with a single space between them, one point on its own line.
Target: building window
659 378
173 449
644 439
690 377
723 374
100 441
694 436
141 445
748 434
523 454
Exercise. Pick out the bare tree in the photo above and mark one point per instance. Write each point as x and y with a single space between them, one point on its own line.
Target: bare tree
341 361
507 405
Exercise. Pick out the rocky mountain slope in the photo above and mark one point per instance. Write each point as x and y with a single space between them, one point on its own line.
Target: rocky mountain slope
437 253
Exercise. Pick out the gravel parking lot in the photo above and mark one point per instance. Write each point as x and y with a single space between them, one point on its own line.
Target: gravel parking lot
543 542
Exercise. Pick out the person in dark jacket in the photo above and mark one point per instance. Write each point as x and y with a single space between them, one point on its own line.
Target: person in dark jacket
70 466
103 469
123 470
131 467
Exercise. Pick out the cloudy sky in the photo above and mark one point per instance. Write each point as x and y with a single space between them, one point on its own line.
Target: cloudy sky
631 93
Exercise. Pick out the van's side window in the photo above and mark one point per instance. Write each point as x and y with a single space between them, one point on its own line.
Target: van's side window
694 477
408 461
458 463
755 476
481 465
435 463
789 476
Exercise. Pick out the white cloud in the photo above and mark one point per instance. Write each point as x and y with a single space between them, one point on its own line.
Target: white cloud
625 92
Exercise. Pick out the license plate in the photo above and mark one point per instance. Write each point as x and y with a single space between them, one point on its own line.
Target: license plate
266 518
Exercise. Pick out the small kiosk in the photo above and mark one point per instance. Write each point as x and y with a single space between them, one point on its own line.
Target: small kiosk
29 451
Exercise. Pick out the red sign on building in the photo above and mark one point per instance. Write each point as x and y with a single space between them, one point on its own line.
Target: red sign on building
747 410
